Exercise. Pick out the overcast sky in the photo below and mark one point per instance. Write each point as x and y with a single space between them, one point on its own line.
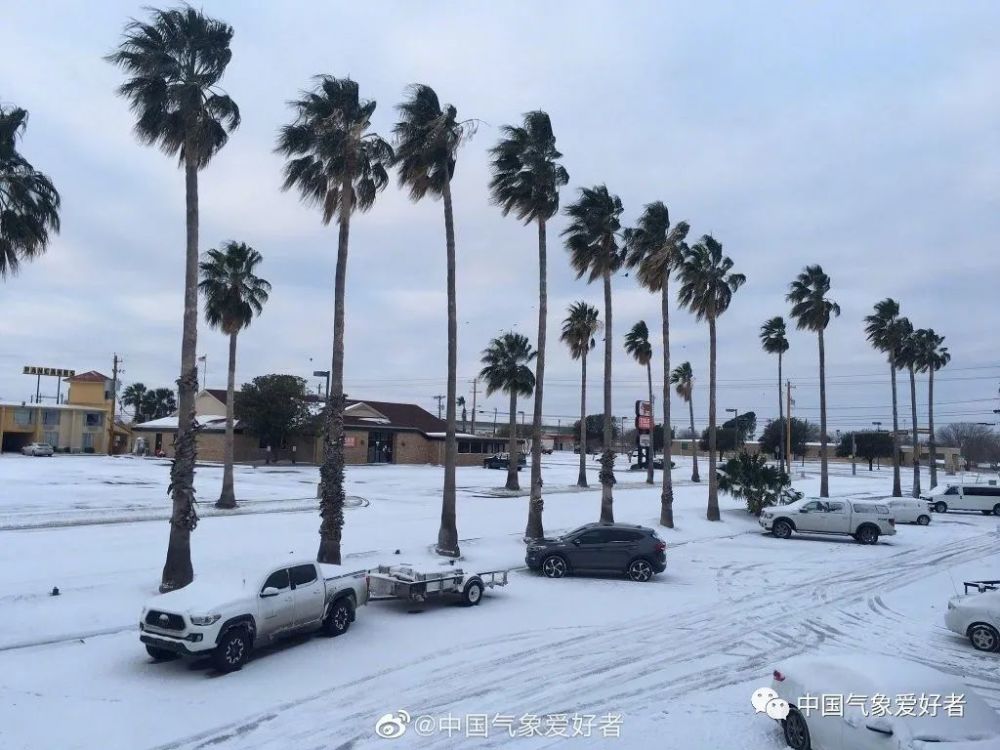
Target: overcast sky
860 136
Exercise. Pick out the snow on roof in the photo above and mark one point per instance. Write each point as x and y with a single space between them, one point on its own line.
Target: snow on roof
204 421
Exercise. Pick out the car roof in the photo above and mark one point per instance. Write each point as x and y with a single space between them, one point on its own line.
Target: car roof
601 525
867 674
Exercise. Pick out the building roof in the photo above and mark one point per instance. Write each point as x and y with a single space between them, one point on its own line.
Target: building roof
70 407
400 416
206 422
91 376
219 394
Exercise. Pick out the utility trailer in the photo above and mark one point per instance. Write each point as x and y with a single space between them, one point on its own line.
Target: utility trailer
405 582
981 586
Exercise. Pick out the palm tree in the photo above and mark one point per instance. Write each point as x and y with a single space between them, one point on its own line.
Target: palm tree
592 240
506 369
908 358
638 347
526 181
932 357
29 203
175 63
774 341
158 403
339 165
578 331
234 295
707 288
429 136
812 311
460 401
682 378
133 396
884 333
656 249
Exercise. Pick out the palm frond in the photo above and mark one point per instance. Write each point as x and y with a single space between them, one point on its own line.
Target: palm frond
233 293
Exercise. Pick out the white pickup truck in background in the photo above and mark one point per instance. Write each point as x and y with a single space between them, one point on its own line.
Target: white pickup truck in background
228 615
863 520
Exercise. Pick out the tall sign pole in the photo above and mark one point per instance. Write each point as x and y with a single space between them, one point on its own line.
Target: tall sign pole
475 385
788 432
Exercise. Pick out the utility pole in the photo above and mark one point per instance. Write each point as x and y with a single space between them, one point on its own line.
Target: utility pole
854 454
494 421
788 432
440 400
114 401
475 384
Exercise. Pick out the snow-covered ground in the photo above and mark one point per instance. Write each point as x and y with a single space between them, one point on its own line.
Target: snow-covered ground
677 658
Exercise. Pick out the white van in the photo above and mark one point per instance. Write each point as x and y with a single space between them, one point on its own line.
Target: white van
982 497
910 510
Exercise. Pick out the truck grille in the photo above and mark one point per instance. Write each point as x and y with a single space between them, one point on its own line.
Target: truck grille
164 620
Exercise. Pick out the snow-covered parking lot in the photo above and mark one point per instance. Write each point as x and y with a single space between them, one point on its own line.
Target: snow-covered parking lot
677 658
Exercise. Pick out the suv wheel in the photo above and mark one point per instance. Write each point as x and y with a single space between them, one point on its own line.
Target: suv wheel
923 520
782 529
472 594
554 566
232 652
984 637
160 654
796 731
640 570
867 535
941 506
338 619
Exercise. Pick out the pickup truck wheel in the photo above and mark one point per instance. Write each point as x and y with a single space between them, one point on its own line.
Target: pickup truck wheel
796 731
782 529
338 619
867 535
554 566
233 650
996 509
160 654
984 637
940 507
472 594
923 520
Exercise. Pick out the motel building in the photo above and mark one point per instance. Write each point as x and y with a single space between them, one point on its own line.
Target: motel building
80 424
375 432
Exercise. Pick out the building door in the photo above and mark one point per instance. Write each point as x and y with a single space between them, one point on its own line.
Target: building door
379 447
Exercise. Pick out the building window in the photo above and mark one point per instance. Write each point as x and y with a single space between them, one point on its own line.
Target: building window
24 417
51 417
52 438
88 441
463 446
94 418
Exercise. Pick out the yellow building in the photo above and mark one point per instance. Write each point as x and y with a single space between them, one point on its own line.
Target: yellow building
82 424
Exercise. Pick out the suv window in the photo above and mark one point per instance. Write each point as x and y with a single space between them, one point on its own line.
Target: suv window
594 536
982 490
303 575
863 508
277 580
951 491
624 535
835 507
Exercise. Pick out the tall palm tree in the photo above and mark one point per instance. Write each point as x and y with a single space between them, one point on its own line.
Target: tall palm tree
133 396
506 369
655 249
174 64
234 295
339 165
526 181
460 401
592 241
884 333
158 403
578 331
773 340
707 288
29 202
682 378
909 359
932 356
428 138
812 310
638 347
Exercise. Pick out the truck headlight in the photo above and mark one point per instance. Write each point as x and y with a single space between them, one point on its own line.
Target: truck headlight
205 619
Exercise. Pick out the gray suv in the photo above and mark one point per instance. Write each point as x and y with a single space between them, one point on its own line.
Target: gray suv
600 548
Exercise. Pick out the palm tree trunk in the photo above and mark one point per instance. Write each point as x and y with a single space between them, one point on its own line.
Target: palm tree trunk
652 429
608 454
824 478
581 480
535 503
694 441
177 570
448 533
331 472
916 443
931 440
713 479
512 449
781 422
897 488
667 493
227 498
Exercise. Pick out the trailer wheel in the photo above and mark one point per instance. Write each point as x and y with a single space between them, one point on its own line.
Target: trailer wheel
472 594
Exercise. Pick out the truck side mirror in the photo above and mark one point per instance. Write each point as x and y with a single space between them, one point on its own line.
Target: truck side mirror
268 592
880 725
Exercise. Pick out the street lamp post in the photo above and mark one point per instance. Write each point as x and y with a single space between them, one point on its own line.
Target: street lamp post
324 374
878 459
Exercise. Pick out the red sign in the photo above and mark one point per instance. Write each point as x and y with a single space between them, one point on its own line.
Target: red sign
643 409
348 441
644 423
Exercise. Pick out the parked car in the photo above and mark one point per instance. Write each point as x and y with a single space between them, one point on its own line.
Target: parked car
910 510
976 617
865 521
658 463
37 449
982 497
856 727
225 617
502 461
633 550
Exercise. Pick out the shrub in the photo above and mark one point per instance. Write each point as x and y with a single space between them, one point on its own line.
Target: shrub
751 478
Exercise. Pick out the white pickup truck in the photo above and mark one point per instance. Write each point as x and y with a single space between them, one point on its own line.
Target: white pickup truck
863 520
226 616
